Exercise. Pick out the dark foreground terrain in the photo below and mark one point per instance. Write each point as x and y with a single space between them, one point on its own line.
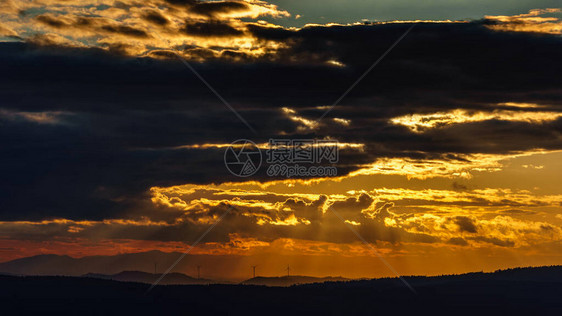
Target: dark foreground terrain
529 291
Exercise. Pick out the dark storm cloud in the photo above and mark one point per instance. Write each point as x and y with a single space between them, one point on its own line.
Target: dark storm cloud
125 30
518 212
352 204
465 224
438 67
213 8
156 18
183 2
93 24
211 28
124 117
458 241
51 21
494 241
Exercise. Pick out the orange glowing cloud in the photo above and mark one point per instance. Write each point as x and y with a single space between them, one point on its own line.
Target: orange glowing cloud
527 22
421 122
155 28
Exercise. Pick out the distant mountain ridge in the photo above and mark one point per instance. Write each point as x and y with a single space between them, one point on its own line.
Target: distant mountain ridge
145 277
110 265
291 280
183 279
133 267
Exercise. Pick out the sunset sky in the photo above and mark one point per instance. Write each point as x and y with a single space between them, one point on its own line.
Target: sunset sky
450 148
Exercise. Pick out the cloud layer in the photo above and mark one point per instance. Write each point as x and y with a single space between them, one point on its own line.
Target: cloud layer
107 136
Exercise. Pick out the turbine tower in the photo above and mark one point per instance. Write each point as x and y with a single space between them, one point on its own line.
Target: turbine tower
288 270
254 270
198 272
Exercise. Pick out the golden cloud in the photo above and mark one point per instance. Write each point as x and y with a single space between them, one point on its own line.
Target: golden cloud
195 30
419 123
527 22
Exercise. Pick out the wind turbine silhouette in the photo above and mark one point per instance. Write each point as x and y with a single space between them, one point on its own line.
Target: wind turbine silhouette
254 270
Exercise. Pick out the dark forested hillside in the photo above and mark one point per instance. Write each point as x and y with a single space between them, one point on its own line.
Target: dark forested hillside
526 291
